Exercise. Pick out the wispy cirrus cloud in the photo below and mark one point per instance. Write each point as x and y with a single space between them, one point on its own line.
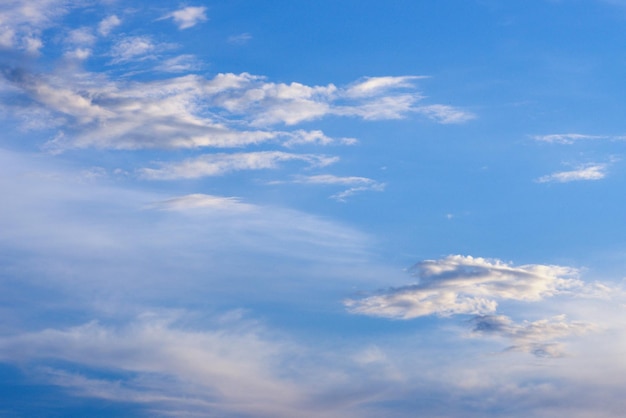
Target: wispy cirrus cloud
586 172
229 110
538 337
358 184
566 138
222 163
575 137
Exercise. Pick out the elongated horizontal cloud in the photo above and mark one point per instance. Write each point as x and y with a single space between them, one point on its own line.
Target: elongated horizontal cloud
218 164
537 337
224 370
565 138
200 201
583 173
466 285
229 110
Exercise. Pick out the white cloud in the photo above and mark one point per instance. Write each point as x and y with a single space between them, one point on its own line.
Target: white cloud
219 164
187 17
584 172
445 114
466 285
22 23
537 337
374 86
190 111
228 369
316 137
107 24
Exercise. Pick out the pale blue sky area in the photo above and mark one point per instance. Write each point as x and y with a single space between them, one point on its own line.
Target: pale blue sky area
312 208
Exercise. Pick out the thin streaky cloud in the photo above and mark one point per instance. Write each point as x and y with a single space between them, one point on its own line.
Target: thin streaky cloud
566 138
221 163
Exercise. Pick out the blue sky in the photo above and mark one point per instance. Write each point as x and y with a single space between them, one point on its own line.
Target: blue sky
300 209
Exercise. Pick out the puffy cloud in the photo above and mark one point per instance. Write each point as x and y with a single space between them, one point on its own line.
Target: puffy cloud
107 24
584 172
187 17
219 164
466 285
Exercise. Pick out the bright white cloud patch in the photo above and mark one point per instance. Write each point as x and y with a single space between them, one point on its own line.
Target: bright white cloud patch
466 285
107 24
583 173
188 17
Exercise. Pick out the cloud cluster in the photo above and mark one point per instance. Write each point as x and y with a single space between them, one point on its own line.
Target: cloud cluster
22 23
192 111
465 285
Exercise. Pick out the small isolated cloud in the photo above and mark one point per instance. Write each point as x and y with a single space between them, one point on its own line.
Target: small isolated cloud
187 17
584 172
107 24
135 48
219 164
466 285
